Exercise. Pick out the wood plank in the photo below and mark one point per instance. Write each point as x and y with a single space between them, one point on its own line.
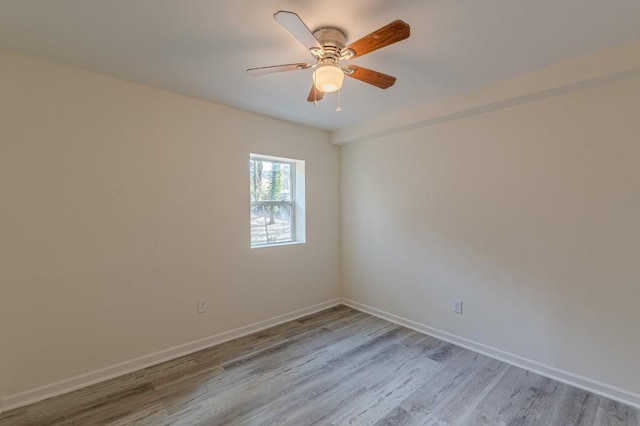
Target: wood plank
151 415
397 375
520 398
458 405
396 417
576 407
380 398
448 381
612 413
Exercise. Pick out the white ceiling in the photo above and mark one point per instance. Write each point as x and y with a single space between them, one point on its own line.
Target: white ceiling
201 48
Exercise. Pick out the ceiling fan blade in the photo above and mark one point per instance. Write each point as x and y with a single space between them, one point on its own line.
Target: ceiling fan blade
376 78
292 23
277 68
315 94
391 33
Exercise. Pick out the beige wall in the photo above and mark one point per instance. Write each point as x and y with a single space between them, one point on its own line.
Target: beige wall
121 205
528 213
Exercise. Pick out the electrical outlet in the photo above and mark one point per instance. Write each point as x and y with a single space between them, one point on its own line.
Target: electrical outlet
456 306
202 306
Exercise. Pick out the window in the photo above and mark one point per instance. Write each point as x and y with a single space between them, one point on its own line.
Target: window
277 200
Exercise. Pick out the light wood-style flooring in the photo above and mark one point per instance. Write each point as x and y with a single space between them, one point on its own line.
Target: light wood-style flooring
336 367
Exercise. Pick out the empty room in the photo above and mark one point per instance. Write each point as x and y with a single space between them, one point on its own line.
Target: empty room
319 213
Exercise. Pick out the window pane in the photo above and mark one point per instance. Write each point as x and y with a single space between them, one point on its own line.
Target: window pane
271 224
269 180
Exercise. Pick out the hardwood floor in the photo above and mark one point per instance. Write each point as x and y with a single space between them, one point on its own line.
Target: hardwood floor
336 367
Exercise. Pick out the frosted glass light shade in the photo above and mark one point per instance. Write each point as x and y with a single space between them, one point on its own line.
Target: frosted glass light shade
328 78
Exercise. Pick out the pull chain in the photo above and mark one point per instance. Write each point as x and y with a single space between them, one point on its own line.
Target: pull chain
339 108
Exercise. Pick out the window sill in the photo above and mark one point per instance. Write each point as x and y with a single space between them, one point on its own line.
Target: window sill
290 243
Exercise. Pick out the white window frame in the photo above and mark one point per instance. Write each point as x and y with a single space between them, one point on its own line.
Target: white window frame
296 204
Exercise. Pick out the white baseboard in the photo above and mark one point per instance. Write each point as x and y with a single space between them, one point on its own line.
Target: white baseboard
100 375
106 373
591 385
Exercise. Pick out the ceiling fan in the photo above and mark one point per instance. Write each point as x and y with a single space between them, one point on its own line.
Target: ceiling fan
328 47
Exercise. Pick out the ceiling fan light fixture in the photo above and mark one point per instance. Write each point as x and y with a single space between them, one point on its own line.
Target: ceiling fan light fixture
328 78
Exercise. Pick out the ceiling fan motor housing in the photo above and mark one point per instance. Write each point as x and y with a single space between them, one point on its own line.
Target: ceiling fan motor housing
332 40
